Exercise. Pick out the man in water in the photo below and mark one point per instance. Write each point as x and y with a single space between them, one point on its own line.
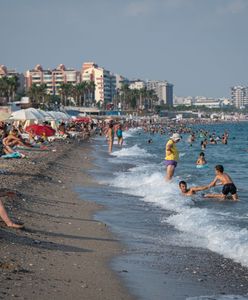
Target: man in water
226 181
171 155
191 191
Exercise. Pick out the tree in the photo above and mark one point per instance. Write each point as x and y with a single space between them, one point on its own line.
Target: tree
91 89
37 94
66 90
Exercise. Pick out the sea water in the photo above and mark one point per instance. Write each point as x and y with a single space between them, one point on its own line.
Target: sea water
142 204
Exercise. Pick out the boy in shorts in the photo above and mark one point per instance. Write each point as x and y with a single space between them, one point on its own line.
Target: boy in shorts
228 185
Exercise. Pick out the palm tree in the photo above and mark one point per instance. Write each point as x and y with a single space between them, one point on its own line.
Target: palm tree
3 87
37 94
125 95
91 89
66 90
13 85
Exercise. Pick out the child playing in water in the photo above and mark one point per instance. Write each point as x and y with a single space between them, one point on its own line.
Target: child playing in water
226 181
201 159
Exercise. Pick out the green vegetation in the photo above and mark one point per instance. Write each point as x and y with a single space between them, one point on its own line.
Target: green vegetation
8 87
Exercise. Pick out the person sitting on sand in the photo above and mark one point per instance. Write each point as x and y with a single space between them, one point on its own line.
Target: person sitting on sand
13 140
201 159
3 213
226 181
191 191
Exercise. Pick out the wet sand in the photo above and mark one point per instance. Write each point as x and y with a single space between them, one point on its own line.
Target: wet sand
63 253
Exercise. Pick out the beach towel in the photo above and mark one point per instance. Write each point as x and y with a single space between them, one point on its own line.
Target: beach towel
12 155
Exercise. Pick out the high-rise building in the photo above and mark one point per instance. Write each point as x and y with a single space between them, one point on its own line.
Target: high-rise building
105 82
163 89
53 79
120 80
239 96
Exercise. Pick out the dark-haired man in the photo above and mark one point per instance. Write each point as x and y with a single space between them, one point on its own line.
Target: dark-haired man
191 191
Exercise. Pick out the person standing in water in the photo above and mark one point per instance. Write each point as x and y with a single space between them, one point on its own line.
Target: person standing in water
119 135
201 159
110 136
171 155
225 180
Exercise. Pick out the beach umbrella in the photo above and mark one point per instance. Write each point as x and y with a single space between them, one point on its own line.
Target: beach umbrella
4 115
26 114
41 130
82 120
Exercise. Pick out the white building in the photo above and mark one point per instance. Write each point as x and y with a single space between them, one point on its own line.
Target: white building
105 82
239 96
163 89
137 84
120 80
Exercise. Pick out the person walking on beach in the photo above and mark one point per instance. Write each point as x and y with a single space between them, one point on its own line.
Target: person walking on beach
110 136
226 181
171 155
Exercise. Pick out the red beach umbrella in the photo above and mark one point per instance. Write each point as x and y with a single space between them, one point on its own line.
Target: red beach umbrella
41 130
82 120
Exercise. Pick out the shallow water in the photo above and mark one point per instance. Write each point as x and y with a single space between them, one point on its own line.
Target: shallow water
143 206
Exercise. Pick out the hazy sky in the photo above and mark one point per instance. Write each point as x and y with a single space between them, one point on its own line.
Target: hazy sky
201 46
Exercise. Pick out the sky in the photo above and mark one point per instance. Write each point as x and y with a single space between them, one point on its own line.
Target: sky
200 46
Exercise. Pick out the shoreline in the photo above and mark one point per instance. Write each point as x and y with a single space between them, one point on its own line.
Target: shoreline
63 253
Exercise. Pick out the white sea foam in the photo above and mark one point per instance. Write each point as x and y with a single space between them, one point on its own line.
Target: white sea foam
134 151
130 132
204 227
219 297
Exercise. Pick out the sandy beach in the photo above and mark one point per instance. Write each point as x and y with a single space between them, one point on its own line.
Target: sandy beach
63 253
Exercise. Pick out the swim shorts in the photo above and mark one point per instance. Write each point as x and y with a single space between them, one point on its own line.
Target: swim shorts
229 188
170 163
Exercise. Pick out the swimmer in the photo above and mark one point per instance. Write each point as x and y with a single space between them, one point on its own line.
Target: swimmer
201 159
149 141
228 185
191 191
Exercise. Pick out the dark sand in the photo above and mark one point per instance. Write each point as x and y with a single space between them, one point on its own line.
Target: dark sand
63 253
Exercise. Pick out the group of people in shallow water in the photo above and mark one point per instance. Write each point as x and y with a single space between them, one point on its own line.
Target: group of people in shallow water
221 178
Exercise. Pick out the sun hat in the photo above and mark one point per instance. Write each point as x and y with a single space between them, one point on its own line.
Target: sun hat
175 137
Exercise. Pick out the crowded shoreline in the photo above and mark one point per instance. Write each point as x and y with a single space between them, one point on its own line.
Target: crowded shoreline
43 181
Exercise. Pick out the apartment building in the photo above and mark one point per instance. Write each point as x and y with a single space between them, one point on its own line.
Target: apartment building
105 82
239 96
52 78
137 84
163 89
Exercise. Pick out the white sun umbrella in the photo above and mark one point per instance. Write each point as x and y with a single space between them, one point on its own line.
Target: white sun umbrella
26 114
45 115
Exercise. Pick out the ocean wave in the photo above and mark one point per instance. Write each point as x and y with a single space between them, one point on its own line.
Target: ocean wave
134 151
204 227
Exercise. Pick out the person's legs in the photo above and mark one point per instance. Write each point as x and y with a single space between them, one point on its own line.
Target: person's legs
235 197
169 172
218 196
110 145
6 219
